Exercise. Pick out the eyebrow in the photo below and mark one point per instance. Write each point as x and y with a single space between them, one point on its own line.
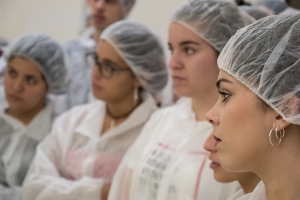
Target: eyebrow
220 81
188 42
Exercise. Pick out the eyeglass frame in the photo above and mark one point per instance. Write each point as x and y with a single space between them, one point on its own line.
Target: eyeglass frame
112 68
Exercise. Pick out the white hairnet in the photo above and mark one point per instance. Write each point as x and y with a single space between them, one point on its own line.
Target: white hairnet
265 57
214 21
254 12
142 51
47 54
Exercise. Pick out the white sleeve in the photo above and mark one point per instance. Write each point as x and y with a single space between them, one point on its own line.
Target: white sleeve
121 184
44 180
11 193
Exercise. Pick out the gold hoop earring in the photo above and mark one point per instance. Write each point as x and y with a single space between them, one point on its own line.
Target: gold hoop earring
135 95
279 136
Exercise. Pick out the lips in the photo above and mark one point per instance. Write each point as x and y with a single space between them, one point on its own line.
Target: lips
218 140
97 87
14 97
99 18
178 79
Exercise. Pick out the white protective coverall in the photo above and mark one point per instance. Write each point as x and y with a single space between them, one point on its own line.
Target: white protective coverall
257 194
168 161
17 148
75 160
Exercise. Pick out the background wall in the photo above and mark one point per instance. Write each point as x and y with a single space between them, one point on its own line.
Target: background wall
64 19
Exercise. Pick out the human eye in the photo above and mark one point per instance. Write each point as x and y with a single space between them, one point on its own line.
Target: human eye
170 49
225 96
12 73
189 50
31 80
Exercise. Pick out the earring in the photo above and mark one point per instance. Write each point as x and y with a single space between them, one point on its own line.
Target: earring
279 136
135 95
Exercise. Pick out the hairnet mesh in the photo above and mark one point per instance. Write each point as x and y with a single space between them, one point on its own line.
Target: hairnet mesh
142 51
265 57
47 55
214 21
254 12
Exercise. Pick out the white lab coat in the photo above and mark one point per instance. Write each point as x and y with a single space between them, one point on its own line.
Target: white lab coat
257 194
17 147
237 195
168 161
78 130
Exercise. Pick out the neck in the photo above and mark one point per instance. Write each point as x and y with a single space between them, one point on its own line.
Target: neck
25 116
249 182
96 35
122 106
202 104
280 171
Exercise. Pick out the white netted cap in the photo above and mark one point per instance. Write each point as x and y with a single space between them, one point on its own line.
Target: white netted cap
214 21
142 51
47 54
265 57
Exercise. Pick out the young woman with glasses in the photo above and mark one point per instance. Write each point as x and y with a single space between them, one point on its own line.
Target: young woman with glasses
79 158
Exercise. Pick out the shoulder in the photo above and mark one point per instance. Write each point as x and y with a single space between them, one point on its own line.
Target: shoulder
78 113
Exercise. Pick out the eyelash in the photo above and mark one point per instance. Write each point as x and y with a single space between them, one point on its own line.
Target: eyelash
225 96
187 49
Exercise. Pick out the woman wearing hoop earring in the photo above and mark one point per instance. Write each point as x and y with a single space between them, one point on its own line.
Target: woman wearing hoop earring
79 158
257 119
168 160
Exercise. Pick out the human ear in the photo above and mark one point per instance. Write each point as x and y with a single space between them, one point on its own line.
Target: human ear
290 105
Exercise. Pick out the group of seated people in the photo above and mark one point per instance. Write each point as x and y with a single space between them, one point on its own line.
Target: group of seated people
85 120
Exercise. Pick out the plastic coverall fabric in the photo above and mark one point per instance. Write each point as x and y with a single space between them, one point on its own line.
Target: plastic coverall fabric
265 57
17 147
168 160
79 90
75 161
257 194
237 195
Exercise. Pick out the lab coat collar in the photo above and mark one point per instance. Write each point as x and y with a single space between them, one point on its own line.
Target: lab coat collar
93 121
139 116
38 127
184 106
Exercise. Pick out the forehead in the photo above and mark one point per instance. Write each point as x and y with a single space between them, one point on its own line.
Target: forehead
106 51
179 32
24 66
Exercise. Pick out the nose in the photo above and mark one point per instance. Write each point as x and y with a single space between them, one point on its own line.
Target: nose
100 4
209 144
18 84
212 116
175 62
96 75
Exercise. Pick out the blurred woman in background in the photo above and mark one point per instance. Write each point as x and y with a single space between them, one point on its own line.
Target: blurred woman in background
35 67
87 143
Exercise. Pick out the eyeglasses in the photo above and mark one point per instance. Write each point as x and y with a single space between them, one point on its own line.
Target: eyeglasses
106 70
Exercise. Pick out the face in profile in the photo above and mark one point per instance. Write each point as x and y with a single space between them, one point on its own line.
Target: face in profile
241 125
220 174
25 87
112 79
105 12
193 62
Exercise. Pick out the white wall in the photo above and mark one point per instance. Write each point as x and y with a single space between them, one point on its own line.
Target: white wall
62 19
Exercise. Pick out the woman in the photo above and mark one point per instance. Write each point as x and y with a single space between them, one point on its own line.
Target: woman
35 67
256 118
247 180
79 158
168 161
